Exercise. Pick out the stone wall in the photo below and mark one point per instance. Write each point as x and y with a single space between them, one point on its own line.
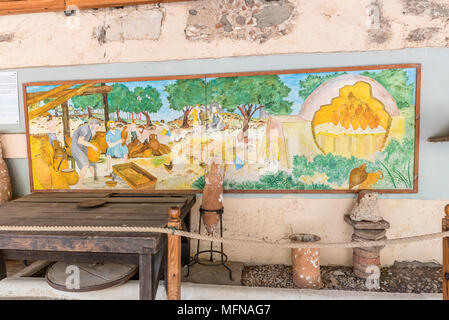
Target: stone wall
324 217
250 20
220 28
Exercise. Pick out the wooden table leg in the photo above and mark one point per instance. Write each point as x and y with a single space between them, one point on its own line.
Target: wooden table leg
146 275
2 266
185 242
174 256
445 227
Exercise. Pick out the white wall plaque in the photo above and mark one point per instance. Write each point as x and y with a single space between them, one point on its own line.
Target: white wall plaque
9 98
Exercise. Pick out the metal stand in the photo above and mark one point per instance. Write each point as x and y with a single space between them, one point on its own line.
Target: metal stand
223 256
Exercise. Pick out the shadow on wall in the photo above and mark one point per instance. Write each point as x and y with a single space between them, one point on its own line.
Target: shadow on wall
18 172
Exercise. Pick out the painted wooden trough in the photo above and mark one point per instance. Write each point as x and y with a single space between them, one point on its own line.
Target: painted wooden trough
135 176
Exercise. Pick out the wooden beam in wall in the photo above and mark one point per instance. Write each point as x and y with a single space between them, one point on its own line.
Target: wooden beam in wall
31 6
89 4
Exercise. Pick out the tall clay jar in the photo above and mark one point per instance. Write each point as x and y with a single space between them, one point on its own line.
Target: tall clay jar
212 197
306 263
5 182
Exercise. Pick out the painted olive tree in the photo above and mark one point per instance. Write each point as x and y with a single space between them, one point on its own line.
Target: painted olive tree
184 94
249 94
120 99
88 102
148 100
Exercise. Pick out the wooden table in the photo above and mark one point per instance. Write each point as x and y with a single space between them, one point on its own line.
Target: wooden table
121 209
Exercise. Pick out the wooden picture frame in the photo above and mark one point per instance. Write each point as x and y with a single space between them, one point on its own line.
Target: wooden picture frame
378 68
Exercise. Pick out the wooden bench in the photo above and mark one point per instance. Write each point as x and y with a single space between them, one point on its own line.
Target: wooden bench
121 209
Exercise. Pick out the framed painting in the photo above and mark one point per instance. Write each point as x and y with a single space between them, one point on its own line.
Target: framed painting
331 130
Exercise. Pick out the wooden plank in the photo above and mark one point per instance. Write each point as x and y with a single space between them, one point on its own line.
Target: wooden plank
174 257
71 256
104 194
58 101
76 235
55 214
50 219
159 265
73 206
93 223
188 206
2 266
445 227
32 269
14 206
146 270
167 200
89 4
27 209
71 194
30 6
149 195
438 139
76 244
146 217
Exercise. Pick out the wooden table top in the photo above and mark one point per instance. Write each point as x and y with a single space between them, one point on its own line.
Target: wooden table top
120 209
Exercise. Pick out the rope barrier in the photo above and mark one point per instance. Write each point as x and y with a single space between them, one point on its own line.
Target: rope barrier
284 244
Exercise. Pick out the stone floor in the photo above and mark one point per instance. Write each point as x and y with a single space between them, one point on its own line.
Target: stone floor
214 274
402 277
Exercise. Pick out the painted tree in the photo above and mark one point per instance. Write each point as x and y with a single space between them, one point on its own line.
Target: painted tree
184 94
120 99
311 82
148 101
88 102
249 94
396 82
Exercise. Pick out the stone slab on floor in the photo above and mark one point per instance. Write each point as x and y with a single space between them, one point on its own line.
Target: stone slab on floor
37 288
214 274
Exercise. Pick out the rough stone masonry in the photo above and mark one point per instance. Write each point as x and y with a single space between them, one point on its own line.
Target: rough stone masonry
254 20
221 28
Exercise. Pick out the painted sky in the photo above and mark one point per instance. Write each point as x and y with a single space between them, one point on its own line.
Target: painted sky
291 80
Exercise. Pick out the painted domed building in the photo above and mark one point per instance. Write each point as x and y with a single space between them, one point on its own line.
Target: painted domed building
350 115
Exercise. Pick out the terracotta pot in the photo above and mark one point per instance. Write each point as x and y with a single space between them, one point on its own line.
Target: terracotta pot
306 263
92 155
71 176
210 221
60 159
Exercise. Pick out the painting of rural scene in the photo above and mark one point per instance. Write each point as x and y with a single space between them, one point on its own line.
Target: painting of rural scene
287 131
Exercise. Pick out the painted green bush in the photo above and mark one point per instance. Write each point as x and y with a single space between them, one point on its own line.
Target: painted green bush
337 168
275 181
199 183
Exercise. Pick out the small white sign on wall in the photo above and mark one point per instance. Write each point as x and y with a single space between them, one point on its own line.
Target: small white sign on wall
9 98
